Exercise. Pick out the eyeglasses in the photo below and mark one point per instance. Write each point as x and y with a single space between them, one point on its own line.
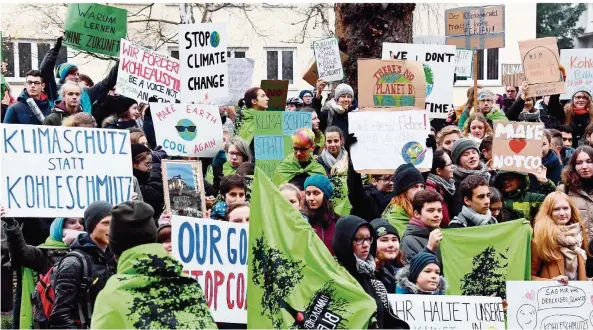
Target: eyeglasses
361 240
386 178
296 149
487 101
235 154
450 164
36 83
511 91
147 164
586 98
188 128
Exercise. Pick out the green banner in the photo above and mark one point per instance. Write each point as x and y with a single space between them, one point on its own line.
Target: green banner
479 260
293 279
95 28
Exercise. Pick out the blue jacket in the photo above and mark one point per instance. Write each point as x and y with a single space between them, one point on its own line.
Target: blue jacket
21 113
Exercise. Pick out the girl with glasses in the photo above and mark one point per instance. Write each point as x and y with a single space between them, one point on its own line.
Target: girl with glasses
150 188
576 114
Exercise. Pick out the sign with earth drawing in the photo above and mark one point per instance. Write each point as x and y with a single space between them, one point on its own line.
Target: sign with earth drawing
439 68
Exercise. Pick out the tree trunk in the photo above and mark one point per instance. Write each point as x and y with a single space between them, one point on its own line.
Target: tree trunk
186 13
363 28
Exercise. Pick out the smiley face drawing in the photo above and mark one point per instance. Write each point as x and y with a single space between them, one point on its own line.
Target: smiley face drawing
527 317
186 129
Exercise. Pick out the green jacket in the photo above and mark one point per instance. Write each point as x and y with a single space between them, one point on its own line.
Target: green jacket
522 200
494 114
245 124
151 291
397 216
290 168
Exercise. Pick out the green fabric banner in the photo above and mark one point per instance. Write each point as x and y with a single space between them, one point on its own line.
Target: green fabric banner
293 279
95 28
479 260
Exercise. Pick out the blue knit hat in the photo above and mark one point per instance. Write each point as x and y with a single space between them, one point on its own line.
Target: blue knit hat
321 182
305 92
63 69
56 229
418 263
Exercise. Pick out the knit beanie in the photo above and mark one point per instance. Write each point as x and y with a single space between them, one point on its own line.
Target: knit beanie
343 89
95 213
132 224
63 69
56 229
138 149
305 92
383 227
581 91
418 263
485 93
460 146
406 176
321 182
163 233
120 104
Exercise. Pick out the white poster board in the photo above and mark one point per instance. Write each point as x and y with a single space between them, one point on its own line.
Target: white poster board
203 57
215 254
54 171
240 80
579 70
388 139
188 130
429 40
439 68
549 305
463 62
448 312
144 73
327 57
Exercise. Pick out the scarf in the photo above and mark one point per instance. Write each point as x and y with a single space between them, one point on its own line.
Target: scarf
570 240
462 173
417 222
365 267
530 116
333 109
449 186
291 167
580 111
469 216
329 159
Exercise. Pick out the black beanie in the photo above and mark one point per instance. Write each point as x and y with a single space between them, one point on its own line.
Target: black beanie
132 224
120 104
95 213
383 227
406 176
138 149
418 262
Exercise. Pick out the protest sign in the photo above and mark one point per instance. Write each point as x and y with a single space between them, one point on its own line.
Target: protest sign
204 69
438 71
215 254
95 28
388 139
517 146
512 75
276 91
391 84
463 62
183 184
428 40
327 57
144 73
240 80
54 171
541 61
2 81
579 71
310 74
479 260
448 312
475 27
294 281
549 305
193 130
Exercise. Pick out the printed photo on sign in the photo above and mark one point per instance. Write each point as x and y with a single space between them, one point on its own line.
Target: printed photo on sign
184 188
541 65
327 57
517 146
475 27
579 71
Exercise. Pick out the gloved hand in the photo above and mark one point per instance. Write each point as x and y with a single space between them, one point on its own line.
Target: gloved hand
10 221
431 142
350 140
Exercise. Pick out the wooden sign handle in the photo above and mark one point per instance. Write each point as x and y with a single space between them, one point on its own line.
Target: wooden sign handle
475 79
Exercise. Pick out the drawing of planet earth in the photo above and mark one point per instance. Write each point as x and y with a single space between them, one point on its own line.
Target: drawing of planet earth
393 100
429 79
186 129
413 153
214 39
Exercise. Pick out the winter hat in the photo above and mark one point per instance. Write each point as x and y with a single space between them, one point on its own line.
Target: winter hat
485 93
56 229
63 69
120 104
460 146
321 182
304 93
418 263
138 149
343 89
163 233
383 227
132 224
581 91
95 213
406 176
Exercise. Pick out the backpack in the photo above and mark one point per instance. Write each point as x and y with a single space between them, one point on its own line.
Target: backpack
43 295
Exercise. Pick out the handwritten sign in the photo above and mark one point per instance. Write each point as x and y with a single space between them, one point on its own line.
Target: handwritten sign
541 62
327 57
391 84
448 312
463 62
184 187
429 40
276 91
549 305
188 130
204 69
310 74
579 71
475 27
388 139
512 75
95 28
54 171
215 254
517 146
438 70
240 80
144 73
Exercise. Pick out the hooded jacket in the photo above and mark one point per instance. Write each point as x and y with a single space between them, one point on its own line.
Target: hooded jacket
415 239
290 170
58 114
21 113
522 200
404 286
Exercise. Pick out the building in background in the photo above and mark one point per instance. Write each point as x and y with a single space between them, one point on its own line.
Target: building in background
585 40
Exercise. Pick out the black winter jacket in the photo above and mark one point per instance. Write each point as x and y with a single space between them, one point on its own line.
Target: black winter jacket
414 241
367 203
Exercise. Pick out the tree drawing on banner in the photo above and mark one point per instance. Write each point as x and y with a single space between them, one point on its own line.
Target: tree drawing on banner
326 299
337 183
487 277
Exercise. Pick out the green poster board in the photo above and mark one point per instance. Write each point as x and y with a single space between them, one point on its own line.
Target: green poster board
95 28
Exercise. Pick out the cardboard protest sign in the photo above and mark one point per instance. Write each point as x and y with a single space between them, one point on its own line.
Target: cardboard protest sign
240 80
310 74
95 28
276 91
327 57
215 254
193 130
144 73
463 62
391 84
54 171
389 139
475 27
438 71
428 40
449 312
204 69
512 75
517 146
579 71
183 184
549 305
541 62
